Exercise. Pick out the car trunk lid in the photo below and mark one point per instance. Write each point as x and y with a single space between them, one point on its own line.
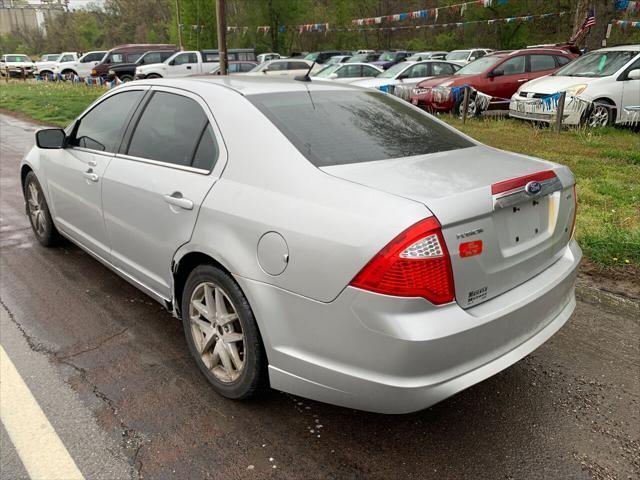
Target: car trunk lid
478 195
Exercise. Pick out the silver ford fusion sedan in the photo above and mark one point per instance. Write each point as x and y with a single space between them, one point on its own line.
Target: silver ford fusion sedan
322 239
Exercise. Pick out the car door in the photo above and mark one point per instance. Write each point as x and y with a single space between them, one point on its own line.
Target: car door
296 68
87 63
630 107
154 187
513 74
184 64
74 174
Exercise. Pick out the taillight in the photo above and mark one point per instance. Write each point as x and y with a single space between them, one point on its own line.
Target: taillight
414 264
575 210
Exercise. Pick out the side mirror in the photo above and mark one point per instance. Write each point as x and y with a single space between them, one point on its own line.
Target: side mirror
265 71
634 74
50 138
333 75
496 73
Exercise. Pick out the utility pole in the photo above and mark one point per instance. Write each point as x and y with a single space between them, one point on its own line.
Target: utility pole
222 36
180 46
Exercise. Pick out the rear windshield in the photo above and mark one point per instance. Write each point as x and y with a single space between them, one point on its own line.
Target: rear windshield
341 127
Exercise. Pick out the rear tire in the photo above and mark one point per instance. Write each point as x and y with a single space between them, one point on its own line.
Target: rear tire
125 78
222 333
38 212
153 75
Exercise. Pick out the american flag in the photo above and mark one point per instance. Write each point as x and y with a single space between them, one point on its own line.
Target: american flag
588 23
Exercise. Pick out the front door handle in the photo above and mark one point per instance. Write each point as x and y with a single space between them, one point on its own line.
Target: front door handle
178 200
520 80
89 175
188 67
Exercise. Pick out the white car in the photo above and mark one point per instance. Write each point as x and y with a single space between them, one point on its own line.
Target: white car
348 72
289 68
338 59
181 64
409 74
462 57
15 65
265 57
602 87
48 62
81 67
416 57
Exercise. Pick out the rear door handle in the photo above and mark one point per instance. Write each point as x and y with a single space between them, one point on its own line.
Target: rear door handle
188 67
520 80
178 200
89 175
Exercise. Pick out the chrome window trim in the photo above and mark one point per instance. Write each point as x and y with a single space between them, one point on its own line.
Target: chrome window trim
90 150
164 164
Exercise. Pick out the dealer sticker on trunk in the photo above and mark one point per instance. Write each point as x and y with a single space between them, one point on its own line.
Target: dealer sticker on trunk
477 295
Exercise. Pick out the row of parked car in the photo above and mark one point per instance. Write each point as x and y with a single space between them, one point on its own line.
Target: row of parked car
603 86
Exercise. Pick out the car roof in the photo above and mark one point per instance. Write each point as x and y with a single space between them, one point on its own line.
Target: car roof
248 85
621 48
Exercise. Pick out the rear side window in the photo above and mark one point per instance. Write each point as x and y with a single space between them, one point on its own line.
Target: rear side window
342 127
116 58
562 60
246 67
207 150
442 68
542 62
67 58
168 130
102 128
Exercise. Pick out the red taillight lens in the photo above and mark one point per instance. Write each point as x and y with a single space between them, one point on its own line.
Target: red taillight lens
575 211
414 264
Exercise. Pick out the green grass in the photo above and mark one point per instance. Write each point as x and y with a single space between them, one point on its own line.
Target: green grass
51 103
606 162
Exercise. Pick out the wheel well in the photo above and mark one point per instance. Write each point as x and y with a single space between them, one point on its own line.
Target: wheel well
613 111
185 266
24 171
68 70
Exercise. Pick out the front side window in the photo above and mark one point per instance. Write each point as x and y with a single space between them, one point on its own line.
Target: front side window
597 64
185 58
479 66
394 71
116 58
342 127
92 57
277 66
542 62
513 66
418 71
168 130
246 67
102 128
298 66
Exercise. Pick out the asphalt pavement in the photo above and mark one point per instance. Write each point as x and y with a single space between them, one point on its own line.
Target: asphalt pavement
111 372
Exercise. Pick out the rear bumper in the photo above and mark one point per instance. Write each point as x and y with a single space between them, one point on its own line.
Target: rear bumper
391 355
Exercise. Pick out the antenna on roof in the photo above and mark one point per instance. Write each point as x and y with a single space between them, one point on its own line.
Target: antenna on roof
306 77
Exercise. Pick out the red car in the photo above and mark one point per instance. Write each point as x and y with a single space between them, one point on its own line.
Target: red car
498 75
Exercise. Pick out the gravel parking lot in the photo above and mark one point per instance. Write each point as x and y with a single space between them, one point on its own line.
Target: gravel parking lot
569 410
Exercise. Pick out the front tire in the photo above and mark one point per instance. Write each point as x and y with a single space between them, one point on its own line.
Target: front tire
153 75
222 333
38 212
601 114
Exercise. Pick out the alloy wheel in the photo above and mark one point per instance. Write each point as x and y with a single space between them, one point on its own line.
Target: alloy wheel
35 209
217 332
599 116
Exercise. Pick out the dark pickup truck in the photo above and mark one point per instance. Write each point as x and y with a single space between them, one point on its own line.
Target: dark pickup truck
126 71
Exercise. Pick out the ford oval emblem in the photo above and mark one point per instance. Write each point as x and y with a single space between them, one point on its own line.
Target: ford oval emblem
533 188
